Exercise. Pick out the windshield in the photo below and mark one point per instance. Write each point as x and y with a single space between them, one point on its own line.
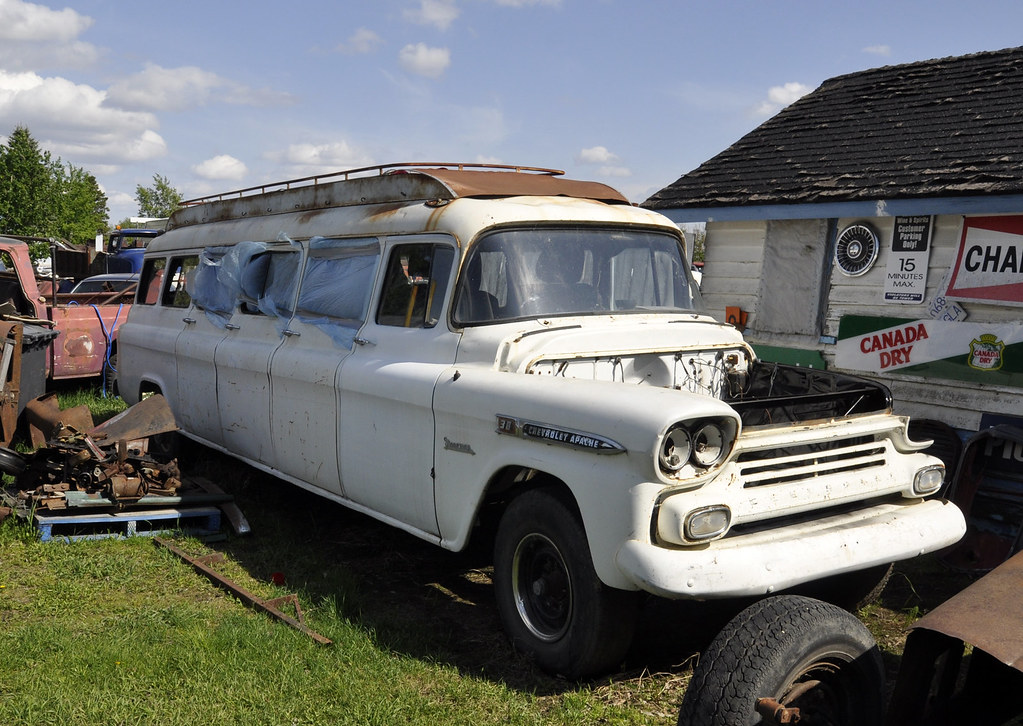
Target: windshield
528 273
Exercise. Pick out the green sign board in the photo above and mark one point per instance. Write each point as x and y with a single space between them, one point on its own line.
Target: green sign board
964 351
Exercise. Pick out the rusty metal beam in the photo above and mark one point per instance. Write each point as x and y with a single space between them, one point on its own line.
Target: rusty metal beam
266 606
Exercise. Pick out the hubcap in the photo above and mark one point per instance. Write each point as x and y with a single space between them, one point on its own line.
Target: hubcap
541 587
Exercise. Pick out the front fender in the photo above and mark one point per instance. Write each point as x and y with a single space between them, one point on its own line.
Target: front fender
470 448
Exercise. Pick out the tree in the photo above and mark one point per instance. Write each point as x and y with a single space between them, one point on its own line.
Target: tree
82 204
699 244
28 185
42 197
158 200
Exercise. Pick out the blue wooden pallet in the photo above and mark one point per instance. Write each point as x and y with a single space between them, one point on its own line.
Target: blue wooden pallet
194 521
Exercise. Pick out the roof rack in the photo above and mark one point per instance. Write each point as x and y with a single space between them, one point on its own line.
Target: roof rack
378 170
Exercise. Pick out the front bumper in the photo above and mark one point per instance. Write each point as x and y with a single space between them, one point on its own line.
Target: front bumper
778 558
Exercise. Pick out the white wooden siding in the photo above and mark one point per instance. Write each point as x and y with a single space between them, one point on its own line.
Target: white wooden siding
735 252
733 263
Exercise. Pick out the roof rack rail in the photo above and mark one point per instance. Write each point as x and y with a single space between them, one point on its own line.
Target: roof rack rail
379 170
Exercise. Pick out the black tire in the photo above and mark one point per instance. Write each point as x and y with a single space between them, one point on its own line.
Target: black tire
552 605
11 462
110 375
801 652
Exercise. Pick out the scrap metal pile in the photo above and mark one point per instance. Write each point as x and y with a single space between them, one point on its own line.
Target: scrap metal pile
106 465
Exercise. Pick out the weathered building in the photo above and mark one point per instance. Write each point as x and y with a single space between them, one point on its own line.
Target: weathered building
876 226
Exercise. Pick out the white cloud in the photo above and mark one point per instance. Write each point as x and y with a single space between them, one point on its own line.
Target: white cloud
616 171
438 13
595 155
28 22
307 159
176 89
778 97
35 37
221 167
424 60
360 42
883 50
71 119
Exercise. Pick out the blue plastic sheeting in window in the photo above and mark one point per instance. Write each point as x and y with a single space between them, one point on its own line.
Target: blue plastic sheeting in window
337 286
218 279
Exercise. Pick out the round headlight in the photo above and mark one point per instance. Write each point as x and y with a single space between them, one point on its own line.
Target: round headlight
708 445
675 449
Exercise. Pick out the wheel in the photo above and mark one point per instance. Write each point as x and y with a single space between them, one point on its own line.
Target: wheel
801 652
11 462
110 375
552 605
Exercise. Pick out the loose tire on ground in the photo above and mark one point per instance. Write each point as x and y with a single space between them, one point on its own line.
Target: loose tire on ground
11 462
802 652
552 605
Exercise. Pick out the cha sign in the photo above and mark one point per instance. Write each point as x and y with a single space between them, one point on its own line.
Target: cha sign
989 263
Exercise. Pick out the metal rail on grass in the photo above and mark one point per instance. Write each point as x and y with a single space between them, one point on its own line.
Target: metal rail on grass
270 607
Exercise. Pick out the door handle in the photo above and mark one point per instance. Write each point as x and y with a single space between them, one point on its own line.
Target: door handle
189 320
291 333
232 326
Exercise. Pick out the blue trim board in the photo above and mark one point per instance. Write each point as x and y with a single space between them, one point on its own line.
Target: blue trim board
985 204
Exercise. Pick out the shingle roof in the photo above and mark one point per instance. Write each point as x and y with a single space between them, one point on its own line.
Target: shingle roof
945 127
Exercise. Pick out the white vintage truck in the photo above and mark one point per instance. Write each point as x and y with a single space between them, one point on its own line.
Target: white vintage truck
503 352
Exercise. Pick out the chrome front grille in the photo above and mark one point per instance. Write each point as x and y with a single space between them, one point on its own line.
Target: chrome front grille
806 461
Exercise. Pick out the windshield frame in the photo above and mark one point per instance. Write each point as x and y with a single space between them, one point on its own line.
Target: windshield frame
550 270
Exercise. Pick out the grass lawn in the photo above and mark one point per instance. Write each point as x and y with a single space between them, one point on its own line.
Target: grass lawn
123 632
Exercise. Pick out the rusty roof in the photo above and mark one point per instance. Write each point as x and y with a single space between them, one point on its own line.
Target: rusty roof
465 183
389 184
936 128
461 179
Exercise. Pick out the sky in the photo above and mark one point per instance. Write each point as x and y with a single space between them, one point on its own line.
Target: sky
216 96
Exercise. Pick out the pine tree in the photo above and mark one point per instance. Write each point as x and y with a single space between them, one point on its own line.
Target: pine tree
26 185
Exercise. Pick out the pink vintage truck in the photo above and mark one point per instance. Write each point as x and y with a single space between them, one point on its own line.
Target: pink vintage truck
86 323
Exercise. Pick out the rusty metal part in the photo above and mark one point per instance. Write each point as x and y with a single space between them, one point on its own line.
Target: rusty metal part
45 416
939 683
773 712
74 461
148 417
10 379
270 607
988 614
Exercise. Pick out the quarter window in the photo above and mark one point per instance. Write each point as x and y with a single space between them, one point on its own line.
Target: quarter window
415 285
180 269
150 281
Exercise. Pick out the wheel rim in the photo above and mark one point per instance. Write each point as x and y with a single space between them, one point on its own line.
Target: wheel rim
826 690
541 587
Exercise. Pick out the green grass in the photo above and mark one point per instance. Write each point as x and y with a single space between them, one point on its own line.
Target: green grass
123 632
120 631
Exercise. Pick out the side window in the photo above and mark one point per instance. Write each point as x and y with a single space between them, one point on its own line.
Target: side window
175 294
268 282
150 280
415 285
337 281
